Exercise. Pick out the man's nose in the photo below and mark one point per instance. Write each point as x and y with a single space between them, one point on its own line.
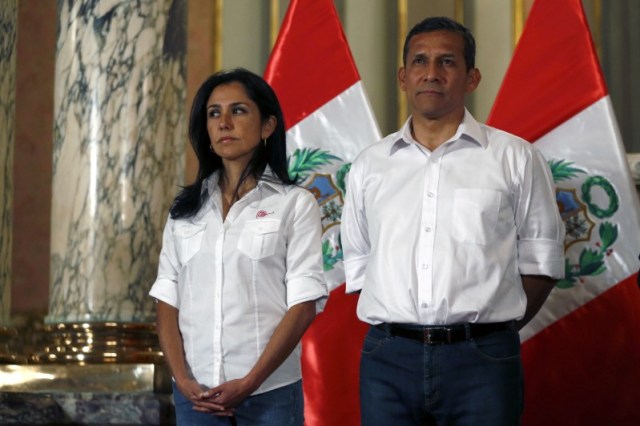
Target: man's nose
432 72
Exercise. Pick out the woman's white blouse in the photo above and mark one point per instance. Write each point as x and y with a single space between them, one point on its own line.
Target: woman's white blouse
233 280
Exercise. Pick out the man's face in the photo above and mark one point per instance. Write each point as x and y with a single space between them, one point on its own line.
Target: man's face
435 77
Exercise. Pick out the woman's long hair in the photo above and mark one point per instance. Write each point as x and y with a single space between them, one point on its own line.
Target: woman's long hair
273 153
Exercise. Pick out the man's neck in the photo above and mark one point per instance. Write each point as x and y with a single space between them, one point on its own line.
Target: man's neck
431 133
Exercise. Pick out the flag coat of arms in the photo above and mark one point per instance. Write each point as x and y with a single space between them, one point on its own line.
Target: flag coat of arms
329 121
581 353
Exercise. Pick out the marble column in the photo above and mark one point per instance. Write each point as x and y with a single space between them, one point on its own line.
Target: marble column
8 26
118 155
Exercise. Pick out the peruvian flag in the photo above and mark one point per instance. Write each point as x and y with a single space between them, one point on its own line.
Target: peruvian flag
581 353
329 121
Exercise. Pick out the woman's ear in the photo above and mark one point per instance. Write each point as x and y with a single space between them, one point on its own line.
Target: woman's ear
268 126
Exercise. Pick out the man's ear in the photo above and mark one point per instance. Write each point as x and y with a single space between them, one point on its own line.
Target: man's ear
473 79
402 79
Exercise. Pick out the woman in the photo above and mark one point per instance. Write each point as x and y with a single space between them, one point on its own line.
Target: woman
240 272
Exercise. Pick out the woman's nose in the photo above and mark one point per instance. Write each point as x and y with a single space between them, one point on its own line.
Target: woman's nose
225 121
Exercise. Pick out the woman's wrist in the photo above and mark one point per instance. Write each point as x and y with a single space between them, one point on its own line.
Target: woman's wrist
251 382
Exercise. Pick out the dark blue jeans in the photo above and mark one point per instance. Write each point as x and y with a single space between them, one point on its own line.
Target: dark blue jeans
279 407
474 382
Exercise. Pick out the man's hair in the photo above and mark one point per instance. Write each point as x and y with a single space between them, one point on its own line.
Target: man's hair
440 23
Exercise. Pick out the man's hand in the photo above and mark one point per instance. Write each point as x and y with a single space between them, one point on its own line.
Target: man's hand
537 289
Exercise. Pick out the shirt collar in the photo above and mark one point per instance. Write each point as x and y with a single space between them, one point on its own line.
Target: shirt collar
268 179
469 129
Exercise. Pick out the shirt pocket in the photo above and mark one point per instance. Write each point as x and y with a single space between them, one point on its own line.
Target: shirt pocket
259 238
188 239
475 215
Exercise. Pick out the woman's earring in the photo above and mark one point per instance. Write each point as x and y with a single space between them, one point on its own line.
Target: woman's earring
211 148
265 142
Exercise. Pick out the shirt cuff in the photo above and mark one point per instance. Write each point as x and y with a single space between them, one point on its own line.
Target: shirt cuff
354 270
541 257
165 290
304 289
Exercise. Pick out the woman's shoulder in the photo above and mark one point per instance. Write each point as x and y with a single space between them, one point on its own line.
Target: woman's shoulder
298 191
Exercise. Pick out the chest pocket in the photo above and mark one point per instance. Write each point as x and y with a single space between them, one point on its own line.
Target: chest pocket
259 238
188 239
475 215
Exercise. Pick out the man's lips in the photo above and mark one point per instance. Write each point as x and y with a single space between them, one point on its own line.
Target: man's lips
429 92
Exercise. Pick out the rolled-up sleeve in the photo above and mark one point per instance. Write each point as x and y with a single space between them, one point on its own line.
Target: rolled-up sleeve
355 236
540 227
165 288
305 275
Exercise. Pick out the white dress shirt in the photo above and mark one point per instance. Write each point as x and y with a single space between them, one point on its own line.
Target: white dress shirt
233 280
442 237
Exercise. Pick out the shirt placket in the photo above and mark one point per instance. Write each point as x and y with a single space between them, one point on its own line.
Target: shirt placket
427 238
232 215
217 296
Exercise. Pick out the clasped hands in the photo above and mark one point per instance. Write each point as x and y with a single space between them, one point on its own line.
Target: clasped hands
220 400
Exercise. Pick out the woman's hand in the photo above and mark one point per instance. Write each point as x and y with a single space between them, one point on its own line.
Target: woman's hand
222 399
190 389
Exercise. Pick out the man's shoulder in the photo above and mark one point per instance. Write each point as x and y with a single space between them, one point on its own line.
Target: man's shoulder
377 149
503 140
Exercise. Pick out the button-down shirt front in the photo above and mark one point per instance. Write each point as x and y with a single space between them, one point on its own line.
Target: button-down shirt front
233 280
442 236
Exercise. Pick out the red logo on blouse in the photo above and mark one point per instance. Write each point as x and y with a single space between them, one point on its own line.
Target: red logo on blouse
262 213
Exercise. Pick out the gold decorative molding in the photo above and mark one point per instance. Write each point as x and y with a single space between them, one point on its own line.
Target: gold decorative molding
9 351
274 21
459 11
597 26
518 20
106 342
217 34
85 378
402 12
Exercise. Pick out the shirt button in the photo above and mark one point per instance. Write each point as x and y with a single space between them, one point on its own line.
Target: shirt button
425 266
424 306
430 194
427 229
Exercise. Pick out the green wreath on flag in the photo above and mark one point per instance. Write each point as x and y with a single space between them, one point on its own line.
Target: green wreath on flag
591 260
614 202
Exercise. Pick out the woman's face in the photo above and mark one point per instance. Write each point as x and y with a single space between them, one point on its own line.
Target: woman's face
234 123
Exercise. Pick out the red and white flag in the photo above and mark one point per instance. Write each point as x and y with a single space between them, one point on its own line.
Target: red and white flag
329 121
581 353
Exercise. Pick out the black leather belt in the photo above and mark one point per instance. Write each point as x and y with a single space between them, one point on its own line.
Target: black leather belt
436 334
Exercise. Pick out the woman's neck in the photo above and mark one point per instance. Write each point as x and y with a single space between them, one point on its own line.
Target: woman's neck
231 187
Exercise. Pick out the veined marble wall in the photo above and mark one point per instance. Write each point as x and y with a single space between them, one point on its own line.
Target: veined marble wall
118 154
8 26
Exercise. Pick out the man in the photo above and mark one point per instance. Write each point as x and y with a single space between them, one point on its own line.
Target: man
452 237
